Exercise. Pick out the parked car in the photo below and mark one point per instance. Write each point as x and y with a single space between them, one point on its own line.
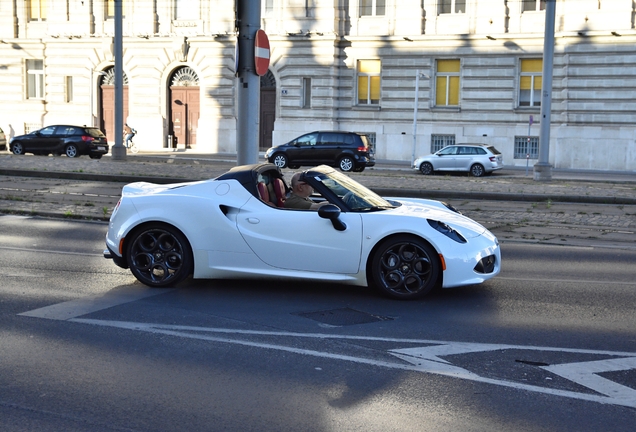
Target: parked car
3 140
235 226
349 151
73 141
478 159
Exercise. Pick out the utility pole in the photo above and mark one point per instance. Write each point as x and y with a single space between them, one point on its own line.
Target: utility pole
543 169
248 21
119 151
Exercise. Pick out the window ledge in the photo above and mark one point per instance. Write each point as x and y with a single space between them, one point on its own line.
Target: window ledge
527 110
367 108
446 109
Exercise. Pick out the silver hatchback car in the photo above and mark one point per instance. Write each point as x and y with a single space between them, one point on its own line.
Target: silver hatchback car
477 159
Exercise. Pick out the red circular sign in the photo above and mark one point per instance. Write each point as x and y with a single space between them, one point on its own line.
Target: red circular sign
261 52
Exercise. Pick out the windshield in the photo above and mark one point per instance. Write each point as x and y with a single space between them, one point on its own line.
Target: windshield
353 194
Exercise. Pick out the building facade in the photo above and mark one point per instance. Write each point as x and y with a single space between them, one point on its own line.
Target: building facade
334 64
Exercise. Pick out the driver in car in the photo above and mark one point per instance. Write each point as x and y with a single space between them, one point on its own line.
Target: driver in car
299 196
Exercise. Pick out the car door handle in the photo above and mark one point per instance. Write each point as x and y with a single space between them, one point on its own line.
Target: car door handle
253 220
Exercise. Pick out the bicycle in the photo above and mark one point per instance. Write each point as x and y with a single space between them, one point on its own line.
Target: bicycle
132 147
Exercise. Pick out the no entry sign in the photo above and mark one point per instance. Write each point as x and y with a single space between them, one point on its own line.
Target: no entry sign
261 52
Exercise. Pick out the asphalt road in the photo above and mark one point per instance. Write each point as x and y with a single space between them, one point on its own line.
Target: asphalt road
548 345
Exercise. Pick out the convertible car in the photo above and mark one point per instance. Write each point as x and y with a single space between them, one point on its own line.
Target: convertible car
236 226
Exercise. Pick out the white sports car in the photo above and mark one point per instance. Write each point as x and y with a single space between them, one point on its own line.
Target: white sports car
236 226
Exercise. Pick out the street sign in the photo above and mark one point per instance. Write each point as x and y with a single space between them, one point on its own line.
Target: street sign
261 52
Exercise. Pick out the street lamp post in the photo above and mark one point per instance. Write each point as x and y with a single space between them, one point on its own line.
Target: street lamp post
417 93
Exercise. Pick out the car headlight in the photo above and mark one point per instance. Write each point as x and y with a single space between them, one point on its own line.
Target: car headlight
446 230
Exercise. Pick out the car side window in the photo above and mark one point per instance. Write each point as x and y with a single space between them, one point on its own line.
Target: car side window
347 139
329 138
307 140
48 131
480 151
66 130
449 150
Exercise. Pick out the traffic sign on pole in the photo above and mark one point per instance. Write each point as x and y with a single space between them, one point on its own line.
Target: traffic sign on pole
261 52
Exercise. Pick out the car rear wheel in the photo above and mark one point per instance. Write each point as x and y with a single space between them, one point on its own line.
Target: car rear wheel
477 170
404 267
71 151
426 168
159 255
346 164
17 149
280 160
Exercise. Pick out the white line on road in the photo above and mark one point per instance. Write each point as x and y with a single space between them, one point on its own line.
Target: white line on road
415 359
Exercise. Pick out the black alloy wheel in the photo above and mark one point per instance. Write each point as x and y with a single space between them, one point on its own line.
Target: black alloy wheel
477 170
405 267
426 168
159 255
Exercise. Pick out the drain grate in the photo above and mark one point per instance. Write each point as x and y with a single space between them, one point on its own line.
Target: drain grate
343 317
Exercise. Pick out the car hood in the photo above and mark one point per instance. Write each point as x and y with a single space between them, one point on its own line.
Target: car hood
436 210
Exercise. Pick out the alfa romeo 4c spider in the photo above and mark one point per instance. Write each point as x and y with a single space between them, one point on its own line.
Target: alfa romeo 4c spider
237 226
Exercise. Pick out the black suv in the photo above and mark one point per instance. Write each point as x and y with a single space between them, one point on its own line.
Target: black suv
350 151
73 141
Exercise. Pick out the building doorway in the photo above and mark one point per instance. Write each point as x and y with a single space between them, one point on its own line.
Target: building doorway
184 106
268 111
107 105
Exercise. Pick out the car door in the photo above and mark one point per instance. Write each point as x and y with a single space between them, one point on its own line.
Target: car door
464 158
302 148
329 147
301 240
41 140
445 159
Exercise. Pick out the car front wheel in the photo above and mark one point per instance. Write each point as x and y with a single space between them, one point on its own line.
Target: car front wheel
159 255
426 168
280 160
71 151
346 164
17 149
477 170
404 267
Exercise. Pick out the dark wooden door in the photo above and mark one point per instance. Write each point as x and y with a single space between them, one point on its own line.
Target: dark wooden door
107 111
267 117
185 111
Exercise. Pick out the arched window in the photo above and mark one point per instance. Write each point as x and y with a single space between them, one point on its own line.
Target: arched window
185 77
108 77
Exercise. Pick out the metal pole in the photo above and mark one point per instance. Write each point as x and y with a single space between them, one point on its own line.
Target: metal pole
417 93
119 151
248 14
92 123
543 169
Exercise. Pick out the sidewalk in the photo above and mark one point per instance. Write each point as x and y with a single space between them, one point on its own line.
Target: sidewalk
575 208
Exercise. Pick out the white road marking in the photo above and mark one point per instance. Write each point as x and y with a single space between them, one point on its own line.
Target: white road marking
424 359
74 308
57 252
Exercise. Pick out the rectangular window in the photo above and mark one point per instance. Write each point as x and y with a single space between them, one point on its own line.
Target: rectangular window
35 79
438 142
372 7
187 9
68 88
369 82
269 6
532 5
36 10
109 6
530 81
526 146
306 97
451 6
447 83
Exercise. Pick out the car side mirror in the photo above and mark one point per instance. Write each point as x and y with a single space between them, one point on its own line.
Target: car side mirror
332 212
